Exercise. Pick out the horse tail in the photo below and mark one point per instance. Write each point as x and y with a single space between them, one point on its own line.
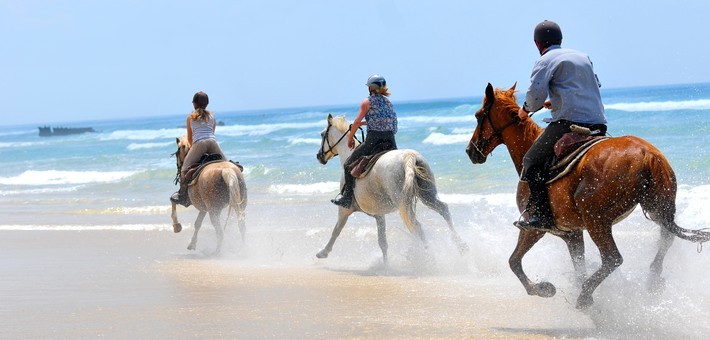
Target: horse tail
410 187
659 198
235 194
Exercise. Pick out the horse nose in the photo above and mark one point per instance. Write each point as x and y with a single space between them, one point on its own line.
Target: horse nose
319 157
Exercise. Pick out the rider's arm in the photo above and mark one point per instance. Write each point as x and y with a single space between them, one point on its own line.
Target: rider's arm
364 107
189 131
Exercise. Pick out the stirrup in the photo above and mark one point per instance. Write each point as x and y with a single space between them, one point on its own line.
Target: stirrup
342 200
179 199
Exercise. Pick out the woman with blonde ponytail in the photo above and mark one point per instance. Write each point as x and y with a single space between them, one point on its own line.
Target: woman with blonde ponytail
201 125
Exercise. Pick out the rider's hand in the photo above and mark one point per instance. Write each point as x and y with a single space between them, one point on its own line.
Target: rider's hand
351 142
547 104
522 114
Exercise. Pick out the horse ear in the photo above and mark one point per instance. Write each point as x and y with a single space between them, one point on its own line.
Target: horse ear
512 88
177 140
330 117
489 93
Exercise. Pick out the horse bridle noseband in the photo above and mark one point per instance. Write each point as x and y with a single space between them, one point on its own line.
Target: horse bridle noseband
481 144
325 140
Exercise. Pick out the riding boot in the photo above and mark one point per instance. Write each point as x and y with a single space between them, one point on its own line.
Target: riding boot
345 198
181 196
539 210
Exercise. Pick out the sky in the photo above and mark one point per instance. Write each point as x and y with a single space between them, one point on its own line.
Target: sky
67 61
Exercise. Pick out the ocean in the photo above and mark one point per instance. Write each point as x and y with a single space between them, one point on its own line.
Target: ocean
120 178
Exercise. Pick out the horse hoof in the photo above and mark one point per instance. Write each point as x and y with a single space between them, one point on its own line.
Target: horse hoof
584 302
545 289
177 227
322 255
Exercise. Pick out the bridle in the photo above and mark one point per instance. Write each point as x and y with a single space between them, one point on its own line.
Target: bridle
497 132
325 139
179 165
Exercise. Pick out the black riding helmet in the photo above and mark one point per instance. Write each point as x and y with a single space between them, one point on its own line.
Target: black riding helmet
548 33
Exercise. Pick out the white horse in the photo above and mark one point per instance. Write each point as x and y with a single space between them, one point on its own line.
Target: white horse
220 185
395 182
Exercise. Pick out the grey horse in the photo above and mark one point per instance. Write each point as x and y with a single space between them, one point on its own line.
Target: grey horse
395 182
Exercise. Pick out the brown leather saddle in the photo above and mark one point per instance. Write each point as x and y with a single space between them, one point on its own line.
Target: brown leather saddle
569 150
364 164
193 171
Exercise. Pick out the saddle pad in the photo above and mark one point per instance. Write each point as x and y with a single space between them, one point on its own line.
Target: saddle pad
570 142
565 165
364 164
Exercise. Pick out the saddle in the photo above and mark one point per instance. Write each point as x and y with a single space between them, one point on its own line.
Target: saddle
569 150
193 171
364 164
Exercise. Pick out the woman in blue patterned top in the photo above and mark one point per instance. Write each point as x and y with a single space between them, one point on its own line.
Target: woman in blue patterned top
381 121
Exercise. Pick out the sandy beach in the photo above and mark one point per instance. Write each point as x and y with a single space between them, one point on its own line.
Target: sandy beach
144 284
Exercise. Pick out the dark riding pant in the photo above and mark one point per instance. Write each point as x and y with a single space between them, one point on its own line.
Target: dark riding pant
544 147
375 142
535 169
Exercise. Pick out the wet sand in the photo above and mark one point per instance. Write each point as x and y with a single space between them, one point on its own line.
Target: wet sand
129 284
143 284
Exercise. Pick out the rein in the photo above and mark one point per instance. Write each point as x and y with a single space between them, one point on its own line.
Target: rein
331 147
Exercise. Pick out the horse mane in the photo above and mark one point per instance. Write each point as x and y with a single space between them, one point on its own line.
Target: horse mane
508 102
340 123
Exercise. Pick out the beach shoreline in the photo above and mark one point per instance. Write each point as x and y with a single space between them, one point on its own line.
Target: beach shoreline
141 284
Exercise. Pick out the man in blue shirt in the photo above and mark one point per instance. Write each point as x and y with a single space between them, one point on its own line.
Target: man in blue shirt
567 78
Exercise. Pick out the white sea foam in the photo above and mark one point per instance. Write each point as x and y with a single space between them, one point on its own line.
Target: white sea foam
139 146
19 144
314 188
144 134
53 177
265 129
38 191
437 138
438 119
700 104
294 141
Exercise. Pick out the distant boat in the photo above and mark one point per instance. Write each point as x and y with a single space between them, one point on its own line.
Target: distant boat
46 131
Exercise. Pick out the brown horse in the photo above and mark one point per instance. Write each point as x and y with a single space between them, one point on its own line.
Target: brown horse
610 180
219 185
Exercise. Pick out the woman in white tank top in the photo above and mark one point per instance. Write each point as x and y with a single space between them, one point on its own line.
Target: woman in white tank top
201 125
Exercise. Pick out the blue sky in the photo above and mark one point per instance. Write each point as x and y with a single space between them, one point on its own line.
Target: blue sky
65 61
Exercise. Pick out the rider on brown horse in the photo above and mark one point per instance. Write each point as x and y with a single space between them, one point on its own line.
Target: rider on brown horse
201 125
567 77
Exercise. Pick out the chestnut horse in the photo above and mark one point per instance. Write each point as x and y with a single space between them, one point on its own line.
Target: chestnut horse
219 185
610 180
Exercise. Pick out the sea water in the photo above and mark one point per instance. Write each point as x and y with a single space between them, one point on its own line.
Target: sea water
121 176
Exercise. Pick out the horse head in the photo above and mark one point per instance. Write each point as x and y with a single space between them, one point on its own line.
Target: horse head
331 136
499 111
182 148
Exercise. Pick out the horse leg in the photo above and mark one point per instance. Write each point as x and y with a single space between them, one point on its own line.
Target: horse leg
429 199
526 240
575 245
343 215
655 282
198 225
611 259
177 227
382 236
216 223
